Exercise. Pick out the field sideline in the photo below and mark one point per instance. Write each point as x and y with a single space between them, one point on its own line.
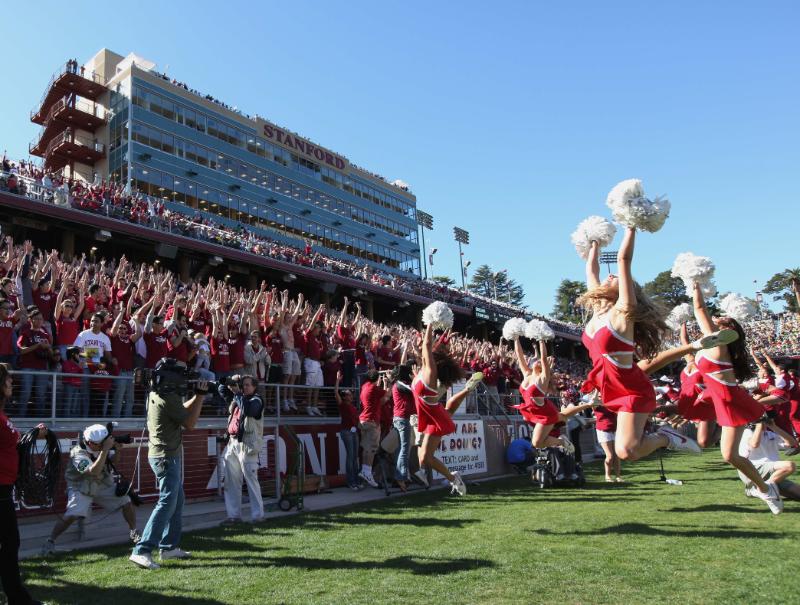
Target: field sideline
506 542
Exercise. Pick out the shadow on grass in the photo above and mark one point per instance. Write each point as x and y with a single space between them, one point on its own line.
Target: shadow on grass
420 566
681 531
62 591
715 508
342 521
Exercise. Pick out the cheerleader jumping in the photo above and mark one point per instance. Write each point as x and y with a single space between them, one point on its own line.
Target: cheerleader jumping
439 371
722 368
625 322
537 410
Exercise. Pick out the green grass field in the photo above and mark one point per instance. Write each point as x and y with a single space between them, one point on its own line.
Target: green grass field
506 542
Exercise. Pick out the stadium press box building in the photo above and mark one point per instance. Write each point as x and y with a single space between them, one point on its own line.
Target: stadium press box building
118 118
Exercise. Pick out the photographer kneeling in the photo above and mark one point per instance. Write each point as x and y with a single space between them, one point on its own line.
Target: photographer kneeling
245 432
89 480
167 416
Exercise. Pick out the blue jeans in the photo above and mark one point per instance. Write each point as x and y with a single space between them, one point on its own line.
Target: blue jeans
350 440
72 398
403 427
163 529
33 382
123 389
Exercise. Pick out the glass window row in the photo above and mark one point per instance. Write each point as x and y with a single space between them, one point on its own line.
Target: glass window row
203 123
258 214
214 160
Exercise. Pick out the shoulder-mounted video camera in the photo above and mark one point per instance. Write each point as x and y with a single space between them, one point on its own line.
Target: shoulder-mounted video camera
170 376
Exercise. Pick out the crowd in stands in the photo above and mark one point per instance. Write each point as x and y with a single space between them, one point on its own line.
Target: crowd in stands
95 320
25 178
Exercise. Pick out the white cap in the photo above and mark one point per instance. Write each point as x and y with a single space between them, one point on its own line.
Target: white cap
95 433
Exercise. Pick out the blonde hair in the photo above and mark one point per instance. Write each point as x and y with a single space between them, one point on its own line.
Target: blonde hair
648 316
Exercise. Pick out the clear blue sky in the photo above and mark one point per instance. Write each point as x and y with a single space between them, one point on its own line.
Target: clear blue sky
511 121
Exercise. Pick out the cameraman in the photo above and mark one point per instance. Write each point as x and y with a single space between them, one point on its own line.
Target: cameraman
246 430
89 481
167 416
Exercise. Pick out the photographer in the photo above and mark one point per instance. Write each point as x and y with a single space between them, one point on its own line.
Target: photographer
759 444
245 430
167 415
89 480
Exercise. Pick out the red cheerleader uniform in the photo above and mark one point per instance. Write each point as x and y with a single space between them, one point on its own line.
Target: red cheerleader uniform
733 405
605 419
623 388
433 418
794 409
534 412
692 404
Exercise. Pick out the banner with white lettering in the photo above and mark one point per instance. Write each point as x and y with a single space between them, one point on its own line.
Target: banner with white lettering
465 450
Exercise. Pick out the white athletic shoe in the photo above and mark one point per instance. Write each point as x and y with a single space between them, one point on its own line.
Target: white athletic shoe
368 478
678 442
772 498
175 553
473 381
318 411
458 484
286 406
310 411
716 339
750 491
567 445
145 561
48 548
423 477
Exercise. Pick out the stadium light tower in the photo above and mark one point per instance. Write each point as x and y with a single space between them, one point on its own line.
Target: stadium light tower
608 259
462 237
425 221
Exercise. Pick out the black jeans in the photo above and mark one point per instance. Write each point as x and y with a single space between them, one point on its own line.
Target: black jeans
9 551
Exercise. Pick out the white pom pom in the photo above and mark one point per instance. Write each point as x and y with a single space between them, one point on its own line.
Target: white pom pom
536 329
514 328
680 315
709 289
750 385
438 315
631 208
693 269
737 307
594 228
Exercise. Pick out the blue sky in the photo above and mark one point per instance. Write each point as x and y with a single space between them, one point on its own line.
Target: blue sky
511 121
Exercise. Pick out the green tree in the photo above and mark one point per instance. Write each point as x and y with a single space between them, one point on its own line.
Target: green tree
669 291
782 286
444 280
564 308
496 284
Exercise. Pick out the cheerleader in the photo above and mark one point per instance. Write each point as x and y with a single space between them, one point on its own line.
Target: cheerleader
537 410
439 371
722 369
692 403
625 322
775 392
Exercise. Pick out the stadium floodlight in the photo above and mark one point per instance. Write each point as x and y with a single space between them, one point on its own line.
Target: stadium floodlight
462 237
608 259
425 221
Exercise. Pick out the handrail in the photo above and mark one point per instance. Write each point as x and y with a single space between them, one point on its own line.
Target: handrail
80 105
93 77
76 140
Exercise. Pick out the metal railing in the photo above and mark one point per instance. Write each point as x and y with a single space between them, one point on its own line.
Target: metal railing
65 68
